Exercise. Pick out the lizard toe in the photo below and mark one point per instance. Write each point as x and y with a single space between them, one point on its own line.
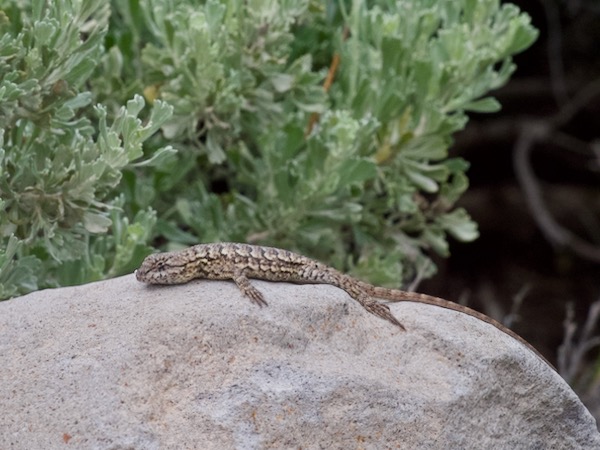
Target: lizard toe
384 312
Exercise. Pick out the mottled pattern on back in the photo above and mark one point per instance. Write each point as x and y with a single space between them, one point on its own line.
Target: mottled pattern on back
221 261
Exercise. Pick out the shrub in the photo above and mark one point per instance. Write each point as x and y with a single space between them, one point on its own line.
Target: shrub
357 175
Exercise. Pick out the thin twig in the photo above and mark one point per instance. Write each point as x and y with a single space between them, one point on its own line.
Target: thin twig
335 62
554 49
572 352
566 368
513 315
531 133
333 67
580 100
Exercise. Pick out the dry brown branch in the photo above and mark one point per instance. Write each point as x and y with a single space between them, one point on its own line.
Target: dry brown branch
533 132
333 67
572 352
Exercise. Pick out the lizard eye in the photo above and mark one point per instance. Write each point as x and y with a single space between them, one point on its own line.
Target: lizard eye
160 266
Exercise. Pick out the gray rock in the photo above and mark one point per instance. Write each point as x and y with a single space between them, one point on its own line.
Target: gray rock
120 365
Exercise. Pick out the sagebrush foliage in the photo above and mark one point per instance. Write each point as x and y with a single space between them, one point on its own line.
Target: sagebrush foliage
60 160
357 176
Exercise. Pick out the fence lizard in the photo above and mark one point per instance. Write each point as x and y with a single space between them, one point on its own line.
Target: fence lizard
240 262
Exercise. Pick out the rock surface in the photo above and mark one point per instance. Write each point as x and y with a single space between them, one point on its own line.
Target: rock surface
119 365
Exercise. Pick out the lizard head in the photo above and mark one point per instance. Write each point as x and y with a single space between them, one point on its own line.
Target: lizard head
164 268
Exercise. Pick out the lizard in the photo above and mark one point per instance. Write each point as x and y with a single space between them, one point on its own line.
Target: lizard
242 262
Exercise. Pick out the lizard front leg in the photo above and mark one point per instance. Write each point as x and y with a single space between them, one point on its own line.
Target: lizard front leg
242 282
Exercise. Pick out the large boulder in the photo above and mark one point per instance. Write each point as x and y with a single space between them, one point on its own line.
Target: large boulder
120 365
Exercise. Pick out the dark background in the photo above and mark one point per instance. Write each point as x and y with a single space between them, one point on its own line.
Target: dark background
535 193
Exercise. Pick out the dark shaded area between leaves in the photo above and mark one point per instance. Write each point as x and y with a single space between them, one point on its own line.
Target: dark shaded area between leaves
535 192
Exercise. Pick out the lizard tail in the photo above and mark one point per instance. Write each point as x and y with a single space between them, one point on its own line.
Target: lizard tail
396 295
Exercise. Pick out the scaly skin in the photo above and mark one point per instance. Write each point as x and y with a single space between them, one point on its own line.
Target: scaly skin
240 262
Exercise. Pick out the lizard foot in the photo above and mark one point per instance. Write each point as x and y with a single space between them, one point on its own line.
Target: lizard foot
382 311
249 291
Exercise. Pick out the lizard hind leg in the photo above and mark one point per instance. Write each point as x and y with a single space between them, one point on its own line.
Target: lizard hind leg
248 290
380 310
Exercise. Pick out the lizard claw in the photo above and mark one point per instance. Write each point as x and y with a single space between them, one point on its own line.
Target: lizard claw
256 297
382 311
248 290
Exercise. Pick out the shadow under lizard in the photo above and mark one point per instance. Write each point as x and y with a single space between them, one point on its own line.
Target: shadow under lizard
241 262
